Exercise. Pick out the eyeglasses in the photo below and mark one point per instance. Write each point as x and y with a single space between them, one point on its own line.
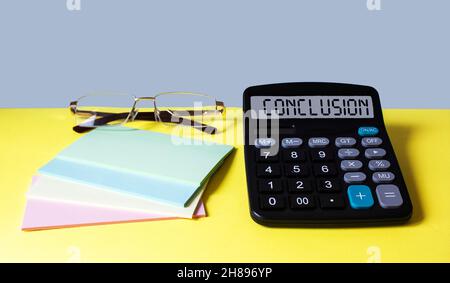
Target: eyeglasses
111 109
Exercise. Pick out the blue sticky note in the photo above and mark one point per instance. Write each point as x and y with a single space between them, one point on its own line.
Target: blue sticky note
141 163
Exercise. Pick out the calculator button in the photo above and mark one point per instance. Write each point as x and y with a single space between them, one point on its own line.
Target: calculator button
379 165
272 202
296 170
327 185
351 165
291 142
344 142
293 155
367 131
264 142
354 177
327 169
270 186
331 202
322 154
302 202
383 177
299 185
389 196
360 196
268 170
345 153
266 155
318 142
374 153
373 141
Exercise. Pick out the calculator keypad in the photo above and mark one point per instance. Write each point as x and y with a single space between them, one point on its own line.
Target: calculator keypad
343 172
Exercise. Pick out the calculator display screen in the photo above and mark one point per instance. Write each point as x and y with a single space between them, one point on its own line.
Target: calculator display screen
288 107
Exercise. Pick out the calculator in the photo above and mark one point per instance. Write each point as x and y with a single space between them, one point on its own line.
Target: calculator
319 153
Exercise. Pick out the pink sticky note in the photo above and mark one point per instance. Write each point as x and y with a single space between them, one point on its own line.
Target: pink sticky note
44 214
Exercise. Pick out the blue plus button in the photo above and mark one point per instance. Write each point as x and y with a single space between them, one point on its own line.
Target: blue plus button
367 131
360 196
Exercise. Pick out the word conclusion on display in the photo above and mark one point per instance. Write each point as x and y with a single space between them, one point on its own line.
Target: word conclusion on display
315 106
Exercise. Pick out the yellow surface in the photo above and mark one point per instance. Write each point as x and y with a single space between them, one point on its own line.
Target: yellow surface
31 137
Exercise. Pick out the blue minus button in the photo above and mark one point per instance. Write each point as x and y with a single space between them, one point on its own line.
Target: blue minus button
367 131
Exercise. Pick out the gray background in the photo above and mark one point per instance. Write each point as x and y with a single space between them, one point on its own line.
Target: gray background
50 55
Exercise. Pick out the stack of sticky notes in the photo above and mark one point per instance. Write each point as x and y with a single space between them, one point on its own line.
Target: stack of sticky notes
122 175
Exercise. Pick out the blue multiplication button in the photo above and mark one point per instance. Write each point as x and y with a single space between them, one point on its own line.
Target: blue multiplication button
367 131
360 197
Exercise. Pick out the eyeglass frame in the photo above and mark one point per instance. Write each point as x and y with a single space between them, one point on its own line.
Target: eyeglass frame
156 115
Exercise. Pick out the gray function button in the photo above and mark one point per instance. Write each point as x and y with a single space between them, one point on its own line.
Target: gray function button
389 196
351 165
345 142
354 177
378 165
264 142
344 153
318 142
372 153
291 142
371 141
383 177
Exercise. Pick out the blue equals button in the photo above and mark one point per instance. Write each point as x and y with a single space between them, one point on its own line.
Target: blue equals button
367 131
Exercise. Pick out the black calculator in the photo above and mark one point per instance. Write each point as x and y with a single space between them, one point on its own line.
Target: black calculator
319 153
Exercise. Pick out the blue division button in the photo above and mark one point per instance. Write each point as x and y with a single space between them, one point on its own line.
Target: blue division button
360 197
291 142
367 131
389 196
264 142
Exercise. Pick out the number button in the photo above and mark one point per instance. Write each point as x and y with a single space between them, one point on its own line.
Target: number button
272 202
270 186
268 170
296 170
293 155
302 202
322 155
299 185
266 155
326 169
327 185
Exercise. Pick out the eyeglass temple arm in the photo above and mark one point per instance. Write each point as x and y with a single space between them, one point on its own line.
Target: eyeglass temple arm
144 116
